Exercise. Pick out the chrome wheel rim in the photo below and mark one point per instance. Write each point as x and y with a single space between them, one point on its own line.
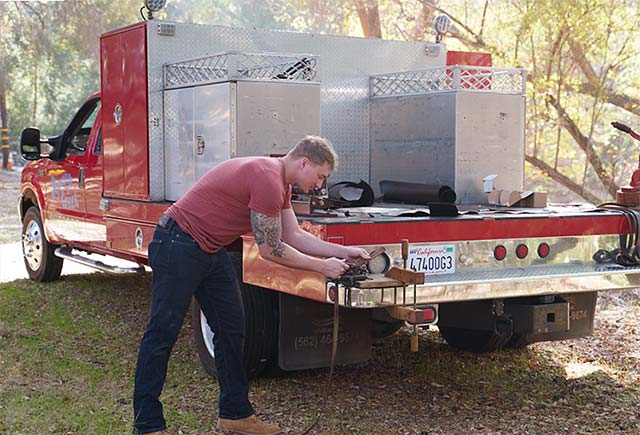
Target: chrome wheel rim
207 334
32 245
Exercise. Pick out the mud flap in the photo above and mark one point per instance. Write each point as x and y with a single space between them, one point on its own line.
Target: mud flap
306 334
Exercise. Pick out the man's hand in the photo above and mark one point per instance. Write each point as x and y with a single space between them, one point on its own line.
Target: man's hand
334 267
355 254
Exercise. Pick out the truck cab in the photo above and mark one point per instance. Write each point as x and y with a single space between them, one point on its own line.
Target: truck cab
64 190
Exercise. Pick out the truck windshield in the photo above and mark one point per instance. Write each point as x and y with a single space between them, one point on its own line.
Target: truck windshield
80 137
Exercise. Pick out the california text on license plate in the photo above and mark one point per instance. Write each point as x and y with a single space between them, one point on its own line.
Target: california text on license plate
432 259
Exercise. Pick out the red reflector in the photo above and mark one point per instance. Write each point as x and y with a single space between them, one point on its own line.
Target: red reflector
522 251
332 293
429 314
543 250
499 252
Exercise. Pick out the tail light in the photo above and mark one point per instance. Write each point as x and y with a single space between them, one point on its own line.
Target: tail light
522 251
499 252
332 293
544 250
429 314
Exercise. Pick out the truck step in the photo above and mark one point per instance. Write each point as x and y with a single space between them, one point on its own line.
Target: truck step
67 254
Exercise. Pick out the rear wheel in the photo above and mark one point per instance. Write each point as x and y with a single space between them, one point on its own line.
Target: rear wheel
380 329
519 341
383 325
261 331
475 326
473 340
39 258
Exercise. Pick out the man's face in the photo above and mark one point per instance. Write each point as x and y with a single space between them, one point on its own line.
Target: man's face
311 175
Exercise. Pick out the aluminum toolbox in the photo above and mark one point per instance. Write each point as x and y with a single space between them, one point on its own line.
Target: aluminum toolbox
344 67
452 126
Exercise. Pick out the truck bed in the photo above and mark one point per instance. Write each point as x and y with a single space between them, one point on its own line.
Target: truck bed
394 212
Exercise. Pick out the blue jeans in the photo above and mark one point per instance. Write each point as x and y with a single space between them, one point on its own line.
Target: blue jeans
182 270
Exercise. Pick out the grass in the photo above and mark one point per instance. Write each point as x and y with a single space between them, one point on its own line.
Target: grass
68 350
68 357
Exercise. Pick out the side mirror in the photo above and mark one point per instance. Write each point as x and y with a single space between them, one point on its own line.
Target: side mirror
30 144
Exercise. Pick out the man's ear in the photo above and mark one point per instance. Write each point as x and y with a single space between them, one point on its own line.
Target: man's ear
304 162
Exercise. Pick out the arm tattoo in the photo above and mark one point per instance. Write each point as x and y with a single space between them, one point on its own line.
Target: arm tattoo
267 229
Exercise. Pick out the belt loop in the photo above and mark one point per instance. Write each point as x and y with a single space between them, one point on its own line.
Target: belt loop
164 220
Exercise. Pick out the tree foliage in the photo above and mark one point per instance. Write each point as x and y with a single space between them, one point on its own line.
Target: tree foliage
49 57
580 59
580 56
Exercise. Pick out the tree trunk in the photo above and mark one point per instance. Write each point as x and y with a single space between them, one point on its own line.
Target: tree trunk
35 94
583 142
421 23
4 128
369 18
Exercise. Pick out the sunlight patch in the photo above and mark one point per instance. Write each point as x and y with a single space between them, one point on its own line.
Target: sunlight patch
578 369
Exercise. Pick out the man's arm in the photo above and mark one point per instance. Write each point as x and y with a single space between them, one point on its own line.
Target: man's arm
267 231
309 244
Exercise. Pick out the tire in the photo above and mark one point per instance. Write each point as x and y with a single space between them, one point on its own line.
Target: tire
519 341
473 340
381 329
383 325
261 330
39 258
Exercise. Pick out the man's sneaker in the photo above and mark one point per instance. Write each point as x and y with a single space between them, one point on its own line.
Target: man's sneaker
248 426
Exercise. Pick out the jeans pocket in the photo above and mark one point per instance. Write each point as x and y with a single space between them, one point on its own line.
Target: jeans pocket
185 241
154 248
180 236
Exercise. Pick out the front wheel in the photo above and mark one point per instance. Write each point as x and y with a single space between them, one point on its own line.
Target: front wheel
39 258
261 331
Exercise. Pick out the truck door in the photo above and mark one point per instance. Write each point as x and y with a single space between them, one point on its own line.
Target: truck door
66 205
92 186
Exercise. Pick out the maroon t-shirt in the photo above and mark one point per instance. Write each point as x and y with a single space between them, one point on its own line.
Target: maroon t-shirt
217 209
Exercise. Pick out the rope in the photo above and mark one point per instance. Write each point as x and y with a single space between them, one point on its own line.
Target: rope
334 353
628 254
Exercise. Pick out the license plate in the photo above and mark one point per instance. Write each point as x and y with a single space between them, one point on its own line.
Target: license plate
432 259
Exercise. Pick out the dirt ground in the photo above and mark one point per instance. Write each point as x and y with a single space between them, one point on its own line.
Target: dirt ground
10 226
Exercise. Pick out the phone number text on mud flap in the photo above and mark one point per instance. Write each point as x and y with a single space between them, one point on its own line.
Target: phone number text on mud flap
314 341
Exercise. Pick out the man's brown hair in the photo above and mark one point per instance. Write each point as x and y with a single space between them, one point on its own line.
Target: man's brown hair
317 149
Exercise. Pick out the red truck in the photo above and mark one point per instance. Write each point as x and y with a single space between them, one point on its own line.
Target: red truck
177 99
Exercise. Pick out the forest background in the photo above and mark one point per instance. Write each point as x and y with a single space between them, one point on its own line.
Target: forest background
581 58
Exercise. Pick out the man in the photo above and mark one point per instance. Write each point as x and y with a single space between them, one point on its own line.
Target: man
188 259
